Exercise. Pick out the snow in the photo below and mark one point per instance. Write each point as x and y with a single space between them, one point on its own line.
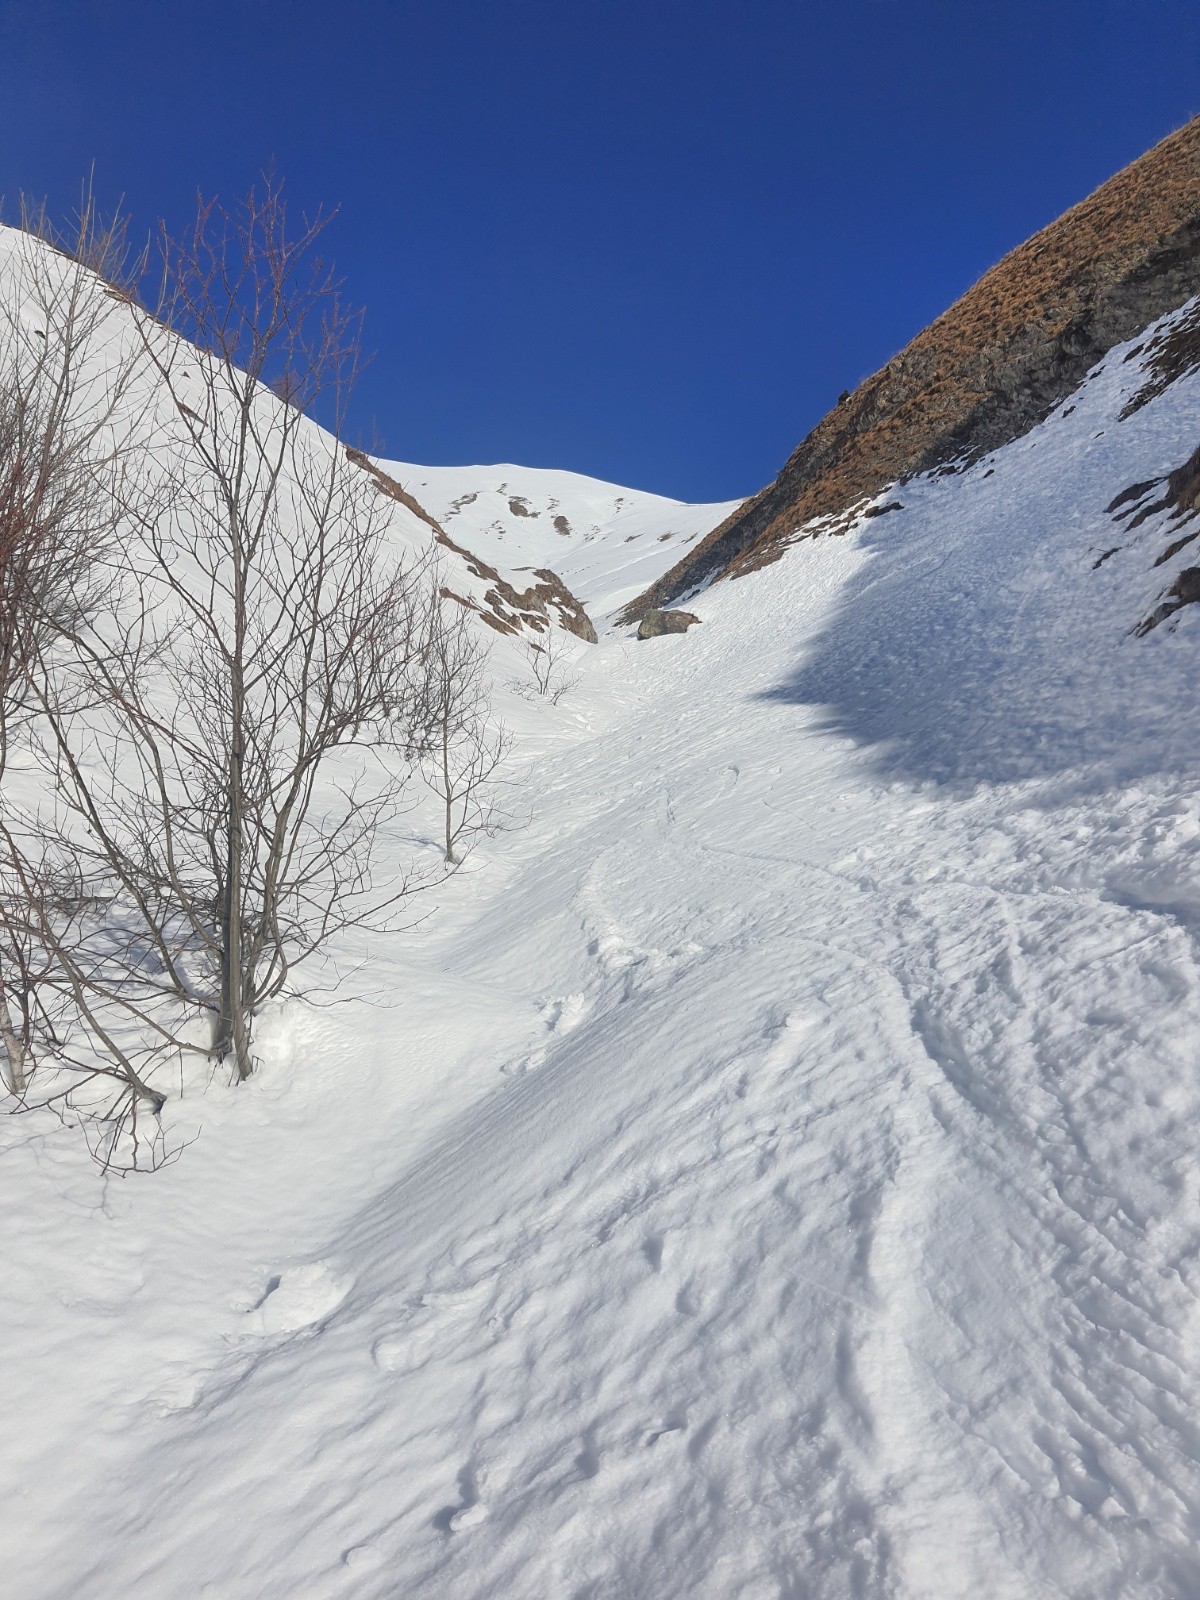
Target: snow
607 543
771 1172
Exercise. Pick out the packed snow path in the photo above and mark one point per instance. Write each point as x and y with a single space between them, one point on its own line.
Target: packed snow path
773 1172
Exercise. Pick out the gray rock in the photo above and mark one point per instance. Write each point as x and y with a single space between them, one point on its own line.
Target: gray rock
657 622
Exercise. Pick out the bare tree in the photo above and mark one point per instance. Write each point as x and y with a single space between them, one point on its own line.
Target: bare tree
233 695
264 705
77 1031
23 968
468 746
548 677
66 402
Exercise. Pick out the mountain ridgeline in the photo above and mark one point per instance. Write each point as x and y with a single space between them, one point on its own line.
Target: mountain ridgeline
993 366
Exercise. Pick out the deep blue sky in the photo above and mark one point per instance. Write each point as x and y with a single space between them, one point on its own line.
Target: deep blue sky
649 241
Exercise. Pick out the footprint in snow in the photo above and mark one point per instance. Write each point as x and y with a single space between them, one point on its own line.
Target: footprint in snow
469 1513
558 1016
430 1322
587 1462
676 1424
615 954
298 1298
179 1392
530 1063
467 1517
564 1013
787 1034
363 1557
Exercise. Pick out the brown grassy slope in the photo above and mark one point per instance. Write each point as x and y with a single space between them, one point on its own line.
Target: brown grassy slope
991 367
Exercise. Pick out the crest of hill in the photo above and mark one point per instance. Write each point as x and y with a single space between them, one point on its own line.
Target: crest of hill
991 367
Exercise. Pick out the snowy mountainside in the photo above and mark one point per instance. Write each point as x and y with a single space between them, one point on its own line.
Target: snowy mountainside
615 540
604 541
772 1172
1015 618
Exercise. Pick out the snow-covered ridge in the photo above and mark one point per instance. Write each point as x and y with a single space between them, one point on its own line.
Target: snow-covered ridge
604 541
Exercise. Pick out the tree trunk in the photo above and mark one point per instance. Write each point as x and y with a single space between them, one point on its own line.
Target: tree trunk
233 1032
447 791
14 1051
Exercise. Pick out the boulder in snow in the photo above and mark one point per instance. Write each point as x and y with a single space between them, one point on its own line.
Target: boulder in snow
657 622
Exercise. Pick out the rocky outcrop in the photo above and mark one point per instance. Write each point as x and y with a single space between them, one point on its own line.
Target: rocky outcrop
505 608
1185 591
511 609
990 368
1178 494
393 490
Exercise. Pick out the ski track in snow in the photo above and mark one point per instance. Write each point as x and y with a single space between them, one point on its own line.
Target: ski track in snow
777 1174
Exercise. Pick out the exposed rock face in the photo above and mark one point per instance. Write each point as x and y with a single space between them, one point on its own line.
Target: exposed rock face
991 367
505 608
655 623
390 487
511 609
1179 495
1185 591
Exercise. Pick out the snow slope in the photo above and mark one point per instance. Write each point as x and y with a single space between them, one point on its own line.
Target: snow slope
605 542
771 1173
